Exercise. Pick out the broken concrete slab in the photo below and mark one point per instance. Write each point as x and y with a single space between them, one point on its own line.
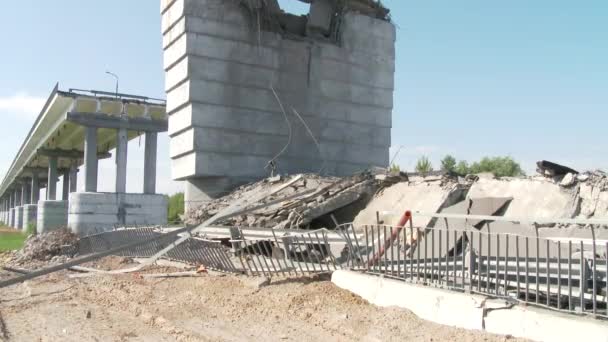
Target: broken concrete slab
392 202
550 169
321 196
532 198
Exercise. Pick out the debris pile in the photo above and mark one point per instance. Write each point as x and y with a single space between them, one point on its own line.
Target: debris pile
592 193
49 246
305 201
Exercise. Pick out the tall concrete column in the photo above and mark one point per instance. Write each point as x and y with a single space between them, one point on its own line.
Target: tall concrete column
90 159
35 193
121 161
66 185
73 177
51 189
17 198
25 195
150 162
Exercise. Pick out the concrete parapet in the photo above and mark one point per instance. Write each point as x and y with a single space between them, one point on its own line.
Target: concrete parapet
30 212
96 212
51 215
470 311
18 217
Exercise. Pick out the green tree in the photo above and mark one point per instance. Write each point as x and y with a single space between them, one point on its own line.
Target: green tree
462 168
423 165
448 164
176 207
394 168
499 166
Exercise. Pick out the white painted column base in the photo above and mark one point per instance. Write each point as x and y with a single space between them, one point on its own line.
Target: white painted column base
19 217
52 215
93 212
30 212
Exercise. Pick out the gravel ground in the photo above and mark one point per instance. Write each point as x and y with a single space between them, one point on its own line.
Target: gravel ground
210 307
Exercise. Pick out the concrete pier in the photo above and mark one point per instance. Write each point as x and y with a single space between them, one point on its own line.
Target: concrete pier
51 189
230 88
30 212
51 215
90 159
18 218
91 213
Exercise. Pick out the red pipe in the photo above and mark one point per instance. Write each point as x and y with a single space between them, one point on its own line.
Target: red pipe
407 216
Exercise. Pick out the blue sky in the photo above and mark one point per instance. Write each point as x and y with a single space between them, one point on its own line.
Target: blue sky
473 78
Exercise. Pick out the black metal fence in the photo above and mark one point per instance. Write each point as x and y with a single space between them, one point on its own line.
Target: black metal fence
560 274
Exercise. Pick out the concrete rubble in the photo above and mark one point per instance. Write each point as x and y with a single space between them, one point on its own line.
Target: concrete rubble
375 197
52 247
324 196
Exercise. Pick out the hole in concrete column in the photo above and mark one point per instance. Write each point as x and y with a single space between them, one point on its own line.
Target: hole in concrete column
294 7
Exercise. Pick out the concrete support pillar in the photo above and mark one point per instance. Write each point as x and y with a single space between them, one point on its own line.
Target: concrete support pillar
17 198
90 159
51 189
150 162
66 185
121 161
73 184
25 194
35 191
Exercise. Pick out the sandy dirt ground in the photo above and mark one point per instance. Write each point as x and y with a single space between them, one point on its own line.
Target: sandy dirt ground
209 307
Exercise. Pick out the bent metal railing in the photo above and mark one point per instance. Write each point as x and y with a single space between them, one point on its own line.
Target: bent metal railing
557 273
562 274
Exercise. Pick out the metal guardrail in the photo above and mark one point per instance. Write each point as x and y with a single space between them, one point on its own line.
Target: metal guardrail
295 254
551 273
197 251
565 275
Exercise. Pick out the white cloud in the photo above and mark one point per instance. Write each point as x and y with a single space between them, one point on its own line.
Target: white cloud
22 104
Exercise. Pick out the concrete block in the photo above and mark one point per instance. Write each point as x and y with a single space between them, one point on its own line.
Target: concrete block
470 311
184 166
176 31
30 215
542 325
51 215
226 141
230 50
176 51
225 120
358 57
356 24
216 10
19 217
394 200
320 16
351 93
237 119
439 306
91 213
554 203
329 69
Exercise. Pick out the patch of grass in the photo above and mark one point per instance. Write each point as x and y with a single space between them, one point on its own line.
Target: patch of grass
11 240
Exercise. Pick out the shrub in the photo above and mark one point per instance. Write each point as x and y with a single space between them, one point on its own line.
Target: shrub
176 207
